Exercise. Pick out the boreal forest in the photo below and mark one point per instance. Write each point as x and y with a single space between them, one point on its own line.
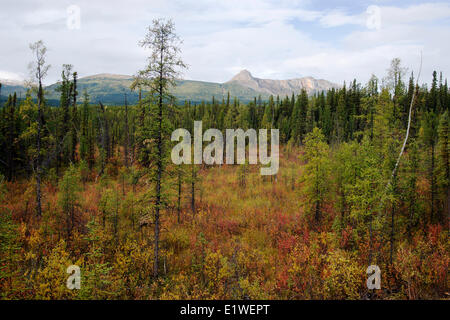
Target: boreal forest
93 185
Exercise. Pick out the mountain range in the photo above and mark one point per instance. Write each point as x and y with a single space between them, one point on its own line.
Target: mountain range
110 88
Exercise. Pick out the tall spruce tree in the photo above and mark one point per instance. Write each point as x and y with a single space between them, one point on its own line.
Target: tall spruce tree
159 75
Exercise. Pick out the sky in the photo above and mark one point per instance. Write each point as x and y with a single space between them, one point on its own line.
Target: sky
283 39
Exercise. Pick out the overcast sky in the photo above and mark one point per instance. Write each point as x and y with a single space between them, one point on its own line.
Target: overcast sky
333 40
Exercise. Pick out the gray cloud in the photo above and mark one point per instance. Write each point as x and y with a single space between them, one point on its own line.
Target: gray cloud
224 36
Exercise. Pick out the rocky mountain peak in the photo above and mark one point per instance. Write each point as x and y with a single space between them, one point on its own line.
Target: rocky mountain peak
281 87
244 75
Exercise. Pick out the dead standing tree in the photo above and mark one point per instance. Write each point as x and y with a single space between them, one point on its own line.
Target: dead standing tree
38 70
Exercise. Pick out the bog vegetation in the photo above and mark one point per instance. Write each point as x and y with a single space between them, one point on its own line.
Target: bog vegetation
92 185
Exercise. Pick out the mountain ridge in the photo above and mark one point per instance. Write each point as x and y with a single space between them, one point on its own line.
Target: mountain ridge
110 88
282 87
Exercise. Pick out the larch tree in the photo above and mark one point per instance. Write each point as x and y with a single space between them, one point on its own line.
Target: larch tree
68 199
317 171
429 138
411 198
394 83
